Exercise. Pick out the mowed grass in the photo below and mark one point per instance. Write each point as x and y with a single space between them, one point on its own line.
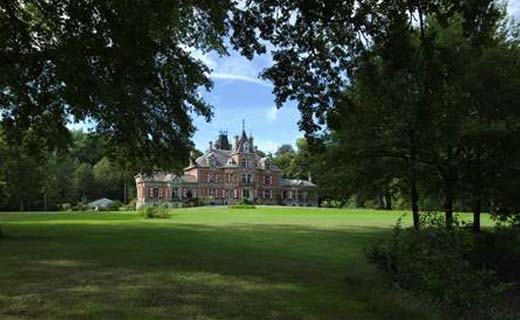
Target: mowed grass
202 263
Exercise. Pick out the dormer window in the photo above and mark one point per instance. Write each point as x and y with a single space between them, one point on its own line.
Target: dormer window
267 165
211 161
246 146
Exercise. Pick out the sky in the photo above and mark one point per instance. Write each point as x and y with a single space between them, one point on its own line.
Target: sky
238 94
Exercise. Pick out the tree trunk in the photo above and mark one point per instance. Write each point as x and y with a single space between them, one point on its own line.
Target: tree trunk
448 202
388 200
359 199
381 200
414 196
45 208
476 216
125 192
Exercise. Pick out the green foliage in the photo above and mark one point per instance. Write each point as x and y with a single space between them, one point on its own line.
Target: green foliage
241 206
114 206
131 205
155 212
435 262
80 206
244 203
138 84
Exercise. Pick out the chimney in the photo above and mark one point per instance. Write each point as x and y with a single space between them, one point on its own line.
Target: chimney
210 145
192 158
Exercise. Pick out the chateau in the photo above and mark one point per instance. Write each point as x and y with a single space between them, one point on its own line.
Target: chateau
226 173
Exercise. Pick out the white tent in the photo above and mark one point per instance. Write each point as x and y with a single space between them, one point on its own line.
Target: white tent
99 203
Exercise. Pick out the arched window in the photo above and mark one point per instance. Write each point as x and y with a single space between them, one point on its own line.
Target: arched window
246 146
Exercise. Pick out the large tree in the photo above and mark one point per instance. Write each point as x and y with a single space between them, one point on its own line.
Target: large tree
401 61
125 67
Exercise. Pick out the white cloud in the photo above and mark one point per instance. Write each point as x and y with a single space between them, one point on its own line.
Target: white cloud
239 77
233 67
272 113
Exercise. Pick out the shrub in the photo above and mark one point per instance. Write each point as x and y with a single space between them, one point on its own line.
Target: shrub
156 212
241 206
114 206
435 262
131 205
80 207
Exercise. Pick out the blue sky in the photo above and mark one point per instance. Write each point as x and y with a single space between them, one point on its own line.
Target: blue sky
239 94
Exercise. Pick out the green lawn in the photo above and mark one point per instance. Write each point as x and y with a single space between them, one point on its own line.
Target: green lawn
203 263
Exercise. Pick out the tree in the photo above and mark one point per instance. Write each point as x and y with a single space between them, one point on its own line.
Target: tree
125 67
112 179
285 148
84 182
57 181
394 59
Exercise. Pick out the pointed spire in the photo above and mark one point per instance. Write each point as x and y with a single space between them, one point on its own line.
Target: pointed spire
243 125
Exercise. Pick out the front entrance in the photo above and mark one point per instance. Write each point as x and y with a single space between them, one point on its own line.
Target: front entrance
247 194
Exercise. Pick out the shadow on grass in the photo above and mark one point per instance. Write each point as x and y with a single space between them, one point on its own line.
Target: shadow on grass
196 271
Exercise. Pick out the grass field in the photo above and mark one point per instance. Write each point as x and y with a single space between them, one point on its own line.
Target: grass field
203 263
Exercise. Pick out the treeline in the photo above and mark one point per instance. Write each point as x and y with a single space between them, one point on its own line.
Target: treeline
429 112
33 178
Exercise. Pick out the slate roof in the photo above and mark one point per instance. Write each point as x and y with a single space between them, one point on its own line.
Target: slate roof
220 157
100 203
166 177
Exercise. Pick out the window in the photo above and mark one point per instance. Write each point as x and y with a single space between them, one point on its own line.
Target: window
246 147
243 162
229 177
235 193
267 165
245 193
268 194
184 192
161 193
155 192
268 179
212 177
211 161
247 177
175 193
